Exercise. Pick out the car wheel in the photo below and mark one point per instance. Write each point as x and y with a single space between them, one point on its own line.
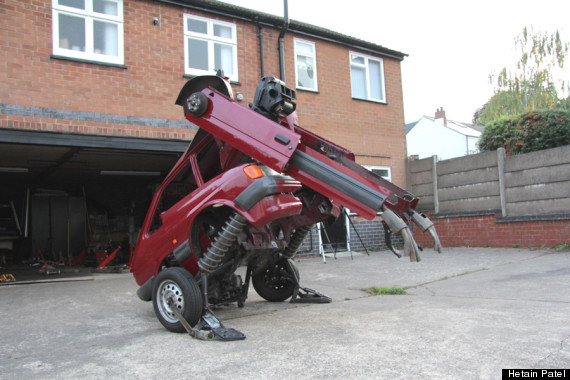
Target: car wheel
177 284
274 283
197 104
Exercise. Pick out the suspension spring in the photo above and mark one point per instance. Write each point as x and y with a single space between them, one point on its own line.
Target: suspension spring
296 240
222 243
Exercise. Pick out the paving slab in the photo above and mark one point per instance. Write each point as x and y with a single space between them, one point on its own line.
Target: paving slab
469 313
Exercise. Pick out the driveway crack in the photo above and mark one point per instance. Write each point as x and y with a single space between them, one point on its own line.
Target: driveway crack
562 343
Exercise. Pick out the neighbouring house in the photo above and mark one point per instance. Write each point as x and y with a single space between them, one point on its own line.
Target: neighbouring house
88 125
437 136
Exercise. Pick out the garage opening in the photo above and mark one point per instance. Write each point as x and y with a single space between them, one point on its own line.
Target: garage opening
71 199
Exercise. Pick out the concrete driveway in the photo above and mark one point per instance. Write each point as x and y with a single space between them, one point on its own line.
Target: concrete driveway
469 313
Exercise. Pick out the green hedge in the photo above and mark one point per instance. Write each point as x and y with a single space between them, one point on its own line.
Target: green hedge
528 132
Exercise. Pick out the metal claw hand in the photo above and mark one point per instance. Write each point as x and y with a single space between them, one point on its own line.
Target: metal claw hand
388 240
399 227
425 224
436 243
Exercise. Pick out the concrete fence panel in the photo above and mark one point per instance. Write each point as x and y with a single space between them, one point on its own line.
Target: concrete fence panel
469 205
539 207
422 165
426 203
471 191
539 159
468 177
425 190
420 180
466 163
538 183
489 199
469 184
538 175
541 191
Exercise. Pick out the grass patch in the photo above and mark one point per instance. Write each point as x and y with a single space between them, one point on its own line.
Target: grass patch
384 291
562 247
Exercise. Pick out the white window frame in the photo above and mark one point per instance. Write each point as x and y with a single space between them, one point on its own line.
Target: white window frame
367 59
308 55
90 16
388 168
388 178
210 39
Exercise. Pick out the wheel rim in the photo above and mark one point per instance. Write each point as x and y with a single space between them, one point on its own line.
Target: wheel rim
194 103
169 289
274 278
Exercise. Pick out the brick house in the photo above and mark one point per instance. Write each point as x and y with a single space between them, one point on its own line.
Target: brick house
88 123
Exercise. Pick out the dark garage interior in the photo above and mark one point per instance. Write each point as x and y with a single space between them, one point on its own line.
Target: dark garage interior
74 198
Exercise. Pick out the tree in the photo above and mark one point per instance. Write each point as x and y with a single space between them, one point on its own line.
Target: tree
535 83
502 104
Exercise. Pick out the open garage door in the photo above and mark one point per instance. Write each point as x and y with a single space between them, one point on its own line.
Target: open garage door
64 193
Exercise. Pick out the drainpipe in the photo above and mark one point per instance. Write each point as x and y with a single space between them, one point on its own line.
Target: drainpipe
260 36
283 30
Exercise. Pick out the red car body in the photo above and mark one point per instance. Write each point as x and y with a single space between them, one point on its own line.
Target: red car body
246 192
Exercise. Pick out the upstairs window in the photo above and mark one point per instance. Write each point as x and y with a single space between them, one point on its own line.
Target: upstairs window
88 29
209 45
367 77
306 65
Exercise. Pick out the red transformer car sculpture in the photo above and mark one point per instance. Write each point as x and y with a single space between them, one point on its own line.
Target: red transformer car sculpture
246 192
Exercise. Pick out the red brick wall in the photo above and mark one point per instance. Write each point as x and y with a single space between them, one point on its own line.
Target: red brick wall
148 87
368 129
481 231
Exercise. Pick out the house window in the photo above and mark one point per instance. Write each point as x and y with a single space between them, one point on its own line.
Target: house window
367 77
383 171
306 65
88 29
209 45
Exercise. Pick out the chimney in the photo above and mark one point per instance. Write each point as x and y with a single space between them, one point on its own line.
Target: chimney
439 114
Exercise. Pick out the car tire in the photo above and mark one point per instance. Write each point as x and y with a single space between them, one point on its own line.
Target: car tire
178 284
275 284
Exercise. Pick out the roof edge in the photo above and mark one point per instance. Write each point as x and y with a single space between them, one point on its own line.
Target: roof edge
237 12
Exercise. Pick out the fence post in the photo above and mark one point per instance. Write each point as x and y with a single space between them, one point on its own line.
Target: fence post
502 186
434 180
409 175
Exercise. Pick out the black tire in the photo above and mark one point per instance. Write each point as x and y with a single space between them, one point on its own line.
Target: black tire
197 104
176 283
275 284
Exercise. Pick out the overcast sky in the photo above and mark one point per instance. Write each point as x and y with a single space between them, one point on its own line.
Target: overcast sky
453 46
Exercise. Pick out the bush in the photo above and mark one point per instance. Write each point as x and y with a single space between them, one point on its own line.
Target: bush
497 133
528 132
